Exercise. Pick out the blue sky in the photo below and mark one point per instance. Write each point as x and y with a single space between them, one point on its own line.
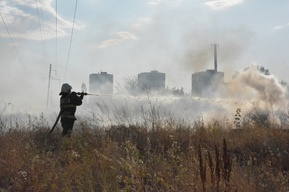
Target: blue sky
128 37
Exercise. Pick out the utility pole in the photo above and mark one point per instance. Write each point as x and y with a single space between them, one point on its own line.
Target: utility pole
49 79
215 56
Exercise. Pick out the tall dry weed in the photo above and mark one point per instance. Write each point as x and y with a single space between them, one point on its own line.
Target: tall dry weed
173 156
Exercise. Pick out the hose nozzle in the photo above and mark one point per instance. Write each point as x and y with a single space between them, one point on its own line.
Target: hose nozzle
80 93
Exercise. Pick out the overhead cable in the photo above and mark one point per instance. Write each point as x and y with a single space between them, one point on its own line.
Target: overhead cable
41 32
14 45
56 33
70 39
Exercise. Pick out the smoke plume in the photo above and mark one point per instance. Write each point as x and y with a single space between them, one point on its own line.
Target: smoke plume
263 91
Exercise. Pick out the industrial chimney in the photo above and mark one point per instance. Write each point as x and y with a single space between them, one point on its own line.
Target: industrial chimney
215 57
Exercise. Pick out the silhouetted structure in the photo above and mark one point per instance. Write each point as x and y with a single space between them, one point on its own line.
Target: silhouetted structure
101 83
151 81
205 83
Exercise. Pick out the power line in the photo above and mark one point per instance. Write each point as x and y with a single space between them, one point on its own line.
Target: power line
41 32
14 45
56 33
70 39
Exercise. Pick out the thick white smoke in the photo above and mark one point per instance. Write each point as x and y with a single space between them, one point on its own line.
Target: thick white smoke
249 90
254 86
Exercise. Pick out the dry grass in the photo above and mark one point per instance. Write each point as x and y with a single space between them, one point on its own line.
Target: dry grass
171 157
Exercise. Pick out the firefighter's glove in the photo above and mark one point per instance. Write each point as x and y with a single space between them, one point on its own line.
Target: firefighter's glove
81 95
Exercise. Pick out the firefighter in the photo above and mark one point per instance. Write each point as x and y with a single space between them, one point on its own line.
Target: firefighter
68 102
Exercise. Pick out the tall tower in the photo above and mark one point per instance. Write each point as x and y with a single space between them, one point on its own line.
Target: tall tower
206 83
215 56
49 79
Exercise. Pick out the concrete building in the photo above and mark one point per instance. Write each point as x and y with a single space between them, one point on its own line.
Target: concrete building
151 81
205 83
101 83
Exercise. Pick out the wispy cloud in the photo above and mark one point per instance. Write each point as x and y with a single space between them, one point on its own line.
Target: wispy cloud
158 2
23 21
279 27
123 36
155 2
223 4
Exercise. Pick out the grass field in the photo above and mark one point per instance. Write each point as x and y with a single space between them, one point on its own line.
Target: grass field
158 155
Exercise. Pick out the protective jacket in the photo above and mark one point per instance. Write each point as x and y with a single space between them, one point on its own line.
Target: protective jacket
68 103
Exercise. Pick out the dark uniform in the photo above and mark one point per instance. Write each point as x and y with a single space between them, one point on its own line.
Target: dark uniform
68 103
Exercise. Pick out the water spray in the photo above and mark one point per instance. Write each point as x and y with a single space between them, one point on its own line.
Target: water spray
92 94
60 112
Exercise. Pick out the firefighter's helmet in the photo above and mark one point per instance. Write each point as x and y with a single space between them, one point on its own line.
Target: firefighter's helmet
65 88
